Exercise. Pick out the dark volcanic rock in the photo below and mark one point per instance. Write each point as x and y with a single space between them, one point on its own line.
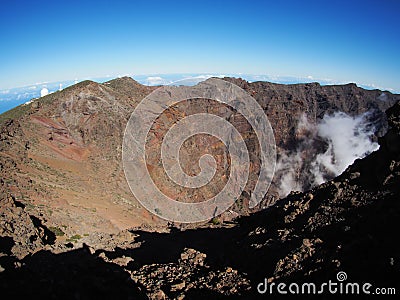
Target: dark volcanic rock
190 277
27 232
348 224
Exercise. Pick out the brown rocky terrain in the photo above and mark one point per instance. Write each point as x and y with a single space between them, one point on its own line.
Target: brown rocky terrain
61 157
346 224
61 154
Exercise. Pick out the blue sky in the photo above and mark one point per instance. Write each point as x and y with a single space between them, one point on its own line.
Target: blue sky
345 41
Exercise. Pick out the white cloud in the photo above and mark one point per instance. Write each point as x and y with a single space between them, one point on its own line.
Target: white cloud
28 102
285 169
199 77
155 80
348 138
192 80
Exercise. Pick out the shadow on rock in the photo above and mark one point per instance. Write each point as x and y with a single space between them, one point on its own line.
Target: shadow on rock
72 275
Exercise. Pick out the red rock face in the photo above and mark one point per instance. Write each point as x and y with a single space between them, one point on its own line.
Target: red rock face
61 155
197 146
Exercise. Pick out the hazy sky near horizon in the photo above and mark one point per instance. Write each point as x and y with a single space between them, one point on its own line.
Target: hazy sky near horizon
345 41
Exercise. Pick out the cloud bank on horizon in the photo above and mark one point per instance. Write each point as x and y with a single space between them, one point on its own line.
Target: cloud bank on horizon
10 98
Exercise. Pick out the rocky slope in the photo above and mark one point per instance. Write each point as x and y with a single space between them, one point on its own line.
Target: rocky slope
347 224
60 156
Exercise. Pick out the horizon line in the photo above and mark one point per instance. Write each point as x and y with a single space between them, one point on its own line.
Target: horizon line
193 75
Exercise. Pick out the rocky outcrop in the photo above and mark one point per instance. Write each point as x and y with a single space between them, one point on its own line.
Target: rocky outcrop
187 277
26 232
